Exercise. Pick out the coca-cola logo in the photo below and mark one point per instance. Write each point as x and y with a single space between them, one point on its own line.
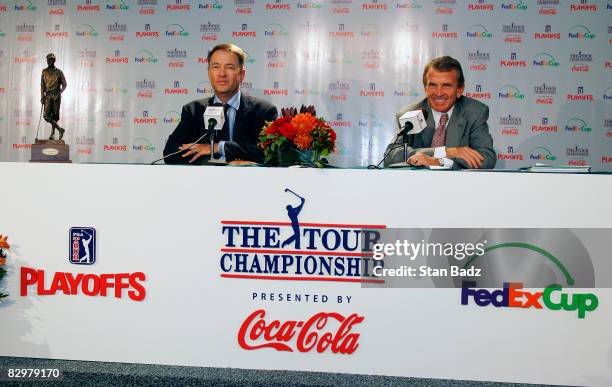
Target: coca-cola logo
315 333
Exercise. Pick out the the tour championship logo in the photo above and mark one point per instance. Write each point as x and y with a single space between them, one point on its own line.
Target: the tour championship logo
298 251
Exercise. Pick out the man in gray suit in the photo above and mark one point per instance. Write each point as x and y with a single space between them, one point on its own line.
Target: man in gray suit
457 135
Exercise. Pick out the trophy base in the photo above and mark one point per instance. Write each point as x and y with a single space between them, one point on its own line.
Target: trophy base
50 151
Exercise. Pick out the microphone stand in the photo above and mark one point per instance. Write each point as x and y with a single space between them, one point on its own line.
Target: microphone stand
211 130
406 139
211 134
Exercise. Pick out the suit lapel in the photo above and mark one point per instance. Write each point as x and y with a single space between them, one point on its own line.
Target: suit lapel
428 133
200 108
241 117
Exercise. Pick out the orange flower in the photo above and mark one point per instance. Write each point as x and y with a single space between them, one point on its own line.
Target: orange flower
303 140
304 122
3 242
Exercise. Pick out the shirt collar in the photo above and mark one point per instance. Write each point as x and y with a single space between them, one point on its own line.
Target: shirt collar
234 102
437 115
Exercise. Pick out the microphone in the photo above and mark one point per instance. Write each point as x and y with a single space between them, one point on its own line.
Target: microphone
214 117
413 122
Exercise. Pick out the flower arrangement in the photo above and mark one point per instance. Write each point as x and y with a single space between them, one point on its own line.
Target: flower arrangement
3 246
297 138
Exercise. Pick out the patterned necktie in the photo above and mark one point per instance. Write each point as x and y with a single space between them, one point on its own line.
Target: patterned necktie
439 137
224 134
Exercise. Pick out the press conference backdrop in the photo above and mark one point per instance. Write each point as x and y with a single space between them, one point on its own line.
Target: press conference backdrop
544 68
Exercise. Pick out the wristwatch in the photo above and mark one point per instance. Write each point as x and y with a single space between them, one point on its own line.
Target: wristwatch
441 162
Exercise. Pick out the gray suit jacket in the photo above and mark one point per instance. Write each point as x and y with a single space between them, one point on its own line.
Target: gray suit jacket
467 127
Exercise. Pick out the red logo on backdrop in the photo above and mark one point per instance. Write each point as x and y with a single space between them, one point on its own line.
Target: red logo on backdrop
86 284
256 333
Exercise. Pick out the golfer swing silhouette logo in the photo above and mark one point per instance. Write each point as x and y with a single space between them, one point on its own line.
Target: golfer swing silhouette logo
292 213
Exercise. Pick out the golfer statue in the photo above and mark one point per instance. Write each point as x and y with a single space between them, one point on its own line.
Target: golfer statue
52 85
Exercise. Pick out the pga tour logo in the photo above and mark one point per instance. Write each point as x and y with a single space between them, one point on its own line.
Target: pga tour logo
82 249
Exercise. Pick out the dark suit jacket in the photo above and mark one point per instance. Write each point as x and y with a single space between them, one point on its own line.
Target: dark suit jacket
466 127
250 118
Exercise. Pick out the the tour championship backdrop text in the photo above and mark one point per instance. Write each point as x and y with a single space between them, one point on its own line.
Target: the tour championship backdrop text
543 66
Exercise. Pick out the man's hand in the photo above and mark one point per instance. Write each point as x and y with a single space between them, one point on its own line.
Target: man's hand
197 151
472 157
422 160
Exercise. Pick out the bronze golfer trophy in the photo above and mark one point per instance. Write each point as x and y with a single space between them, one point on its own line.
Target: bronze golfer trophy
52 85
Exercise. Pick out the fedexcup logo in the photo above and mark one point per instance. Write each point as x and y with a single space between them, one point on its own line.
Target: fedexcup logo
541 154
607 95
210 5
176 30
86 31
172 117
143 145
544 59
116 87
576 124
371 31
545 261
204 88
249 58
117 5
514 6
580 32
478 31
511 92
414 4
511 295
24 6
275 30
145 56
406 91
370 120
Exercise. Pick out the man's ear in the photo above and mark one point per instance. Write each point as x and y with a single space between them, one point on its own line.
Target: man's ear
460 91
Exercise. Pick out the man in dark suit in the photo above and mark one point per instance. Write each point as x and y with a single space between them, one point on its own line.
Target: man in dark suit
245 115
457 134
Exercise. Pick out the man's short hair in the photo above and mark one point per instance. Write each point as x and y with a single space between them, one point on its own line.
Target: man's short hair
229 47
445 63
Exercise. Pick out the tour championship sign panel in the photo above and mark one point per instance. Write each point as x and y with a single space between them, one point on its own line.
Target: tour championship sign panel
296 276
